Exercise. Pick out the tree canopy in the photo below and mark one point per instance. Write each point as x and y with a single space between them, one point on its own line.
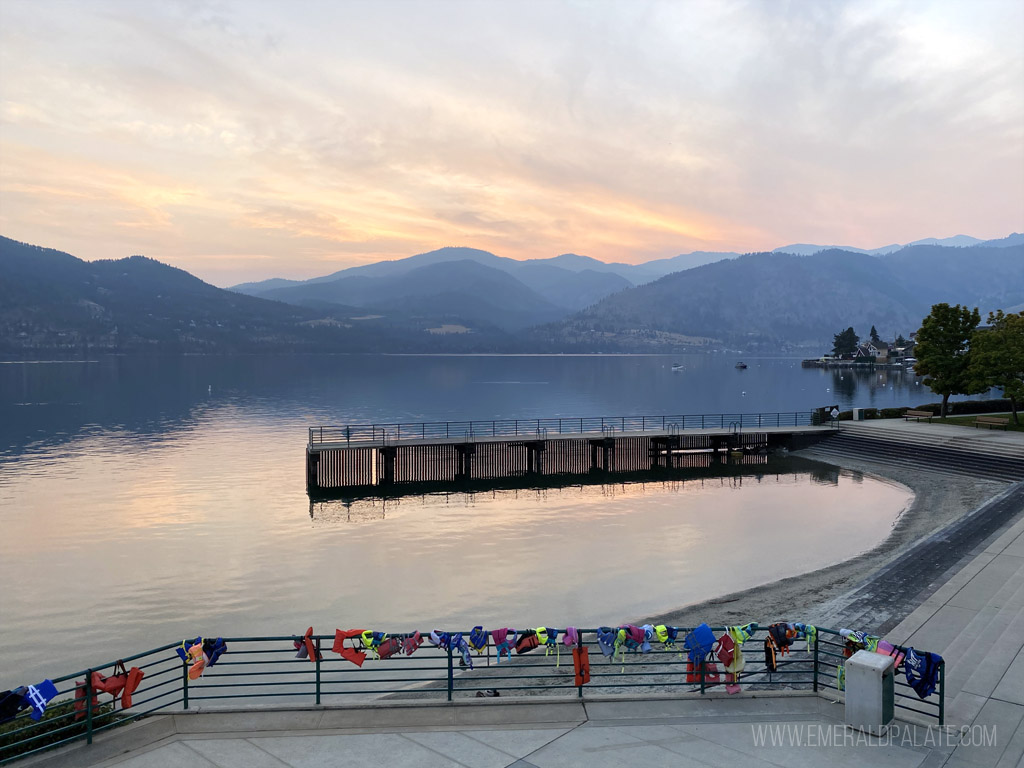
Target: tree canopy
845 342
943 351
874 334
997 357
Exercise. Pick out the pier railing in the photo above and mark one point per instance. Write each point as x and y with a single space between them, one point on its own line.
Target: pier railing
262 670
358 434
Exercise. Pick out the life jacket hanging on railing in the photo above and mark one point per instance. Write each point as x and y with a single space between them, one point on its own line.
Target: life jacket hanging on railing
922 671
606 637
549 639
372 642
355 655
478 639
305 648
504 640
527 641
411 642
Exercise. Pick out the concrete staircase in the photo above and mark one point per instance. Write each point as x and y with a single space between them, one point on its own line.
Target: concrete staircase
976 622
993 455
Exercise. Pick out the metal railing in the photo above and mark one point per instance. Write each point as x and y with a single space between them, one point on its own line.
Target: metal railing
258 669
359 434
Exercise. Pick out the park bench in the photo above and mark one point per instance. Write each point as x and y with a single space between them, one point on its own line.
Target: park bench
918 415
992 421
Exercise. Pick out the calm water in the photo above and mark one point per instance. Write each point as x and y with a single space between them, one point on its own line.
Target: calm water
142 500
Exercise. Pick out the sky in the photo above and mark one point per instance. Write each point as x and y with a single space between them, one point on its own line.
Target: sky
246 140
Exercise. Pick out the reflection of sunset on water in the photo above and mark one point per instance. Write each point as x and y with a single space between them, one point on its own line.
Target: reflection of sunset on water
163 498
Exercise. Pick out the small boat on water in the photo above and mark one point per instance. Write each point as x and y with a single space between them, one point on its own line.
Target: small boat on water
677 366
741 365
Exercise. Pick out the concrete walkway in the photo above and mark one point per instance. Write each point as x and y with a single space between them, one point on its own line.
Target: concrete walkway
976 622
792 731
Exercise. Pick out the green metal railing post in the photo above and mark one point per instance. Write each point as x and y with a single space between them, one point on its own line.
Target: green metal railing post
88 706
815 663
184 684
942 692
451 673
318 671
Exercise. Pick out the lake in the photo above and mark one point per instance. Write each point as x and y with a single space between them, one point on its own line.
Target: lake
146 499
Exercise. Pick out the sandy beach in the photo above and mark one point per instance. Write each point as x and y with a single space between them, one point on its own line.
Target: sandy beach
938 499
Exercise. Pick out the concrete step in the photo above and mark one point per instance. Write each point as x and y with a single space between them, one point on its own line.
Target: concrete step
829 450
1003 466
988 644
977 442
958 449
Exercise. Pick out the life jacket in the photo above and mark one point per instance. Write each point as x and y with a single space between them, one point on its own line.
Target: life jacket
782 635
411 643
542 635
214 649
354 655
888 649
38 696
636 639
478 639
580 666
12 702
135 676
372 641
726 650
606 640
807 632
741 634
571 636
389 647
667 636
81 695
549 639
198 660
770 653
527 641
699 642
459 645
440 639
306 648
183 649
504 639
648 629
922 671
710 670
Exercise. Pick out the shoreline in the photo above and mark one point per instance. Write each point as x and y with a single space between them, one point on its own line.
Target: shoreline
810 597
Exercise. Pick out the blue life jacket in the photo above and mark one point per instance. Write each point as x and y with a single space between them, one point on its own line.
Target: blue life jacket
922 670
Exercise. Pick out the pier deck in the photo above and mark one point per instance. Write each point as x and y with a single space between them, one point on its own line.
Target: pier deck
358 458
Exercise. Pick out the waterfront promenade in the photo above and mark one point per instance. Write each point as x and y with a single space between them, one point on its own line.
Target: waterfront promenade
973 615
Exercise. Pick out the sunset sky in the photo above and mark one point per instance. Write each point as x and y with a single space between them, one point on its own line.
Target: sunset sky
244 140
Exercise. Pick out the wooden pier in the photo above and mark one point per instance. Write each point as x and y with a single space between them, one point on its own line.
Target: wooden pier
366 458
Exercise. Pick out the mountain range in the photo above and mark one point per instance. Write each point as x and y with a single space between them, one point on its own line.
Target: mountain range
468 300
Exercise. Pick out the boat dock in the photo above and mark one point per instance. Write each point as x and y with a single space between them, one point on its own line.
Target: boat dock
375 457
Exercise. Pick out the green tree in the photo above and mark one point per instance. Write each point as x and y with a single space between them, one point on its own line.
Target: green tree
874 334
845 342
997 357
900 341
943 351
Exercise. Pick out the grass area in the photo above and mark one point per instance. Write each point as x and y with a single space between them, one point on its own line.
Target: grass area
968 421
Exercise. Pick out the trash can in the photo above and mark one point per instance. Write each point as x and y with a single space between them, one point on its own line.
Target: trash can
858 414
870 693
